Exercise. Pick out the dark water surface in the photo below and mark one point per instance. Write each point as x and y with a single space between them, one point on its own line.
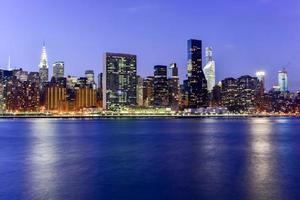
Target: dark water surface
253 158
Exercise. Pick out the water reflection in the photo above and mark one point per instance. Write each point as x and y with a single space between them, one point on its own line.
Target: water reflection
262 165
42 159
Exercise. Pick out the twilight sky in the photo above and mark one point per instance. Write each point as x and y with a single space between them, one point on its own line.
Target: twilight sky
247 35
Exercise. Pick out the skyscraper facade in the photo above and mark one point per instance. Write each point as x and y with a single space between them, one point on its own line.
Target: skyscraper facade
210 69
44 70
119 81
90 75
173 83
161 92
58 69
148 94
283 80
197 95
140 91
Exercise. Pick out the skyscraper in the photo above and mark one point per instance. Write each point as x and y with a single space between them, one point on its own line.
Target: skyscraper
161 92
283 80
197 95
148 94
119 81
209 70
44 71
90 75
173 83
58 69
140 91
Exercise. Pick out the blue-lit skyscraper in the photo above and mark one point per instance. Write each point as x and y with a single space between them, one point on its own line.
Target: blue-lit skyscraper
197 91
283 80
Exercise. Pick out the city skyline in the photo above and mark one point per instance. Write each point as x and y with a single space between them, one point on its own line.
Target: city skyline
80 41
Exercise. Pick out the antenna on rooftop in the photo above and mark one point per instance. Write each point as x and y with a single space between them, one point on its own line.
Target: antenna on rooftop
9 66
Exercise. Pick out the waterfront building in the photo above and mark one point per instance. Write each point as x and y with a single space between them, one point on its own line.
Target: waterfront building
210 69
260 94
197 95
148 93
248 88
216 100
85 98
229 93
161 91
22 96
100 88
59 69
2 97
119 81
55 99
140 91
283 80
173 83
184 95
44 70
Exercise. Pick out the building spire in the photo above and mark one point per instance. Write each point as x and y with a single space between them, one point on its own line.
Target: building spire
44 59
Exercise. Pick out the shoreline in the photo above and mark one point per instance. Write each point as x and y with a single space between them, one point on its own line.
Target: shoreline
139 116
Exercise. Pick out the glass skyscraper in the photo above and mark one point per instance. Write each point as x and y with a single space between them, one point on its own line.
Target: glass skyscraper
197 91
119 81
283 80
58 69
161 92
210 70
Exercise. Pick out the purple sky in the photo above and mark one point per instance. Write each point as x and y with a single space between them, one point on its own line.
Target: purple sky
246 35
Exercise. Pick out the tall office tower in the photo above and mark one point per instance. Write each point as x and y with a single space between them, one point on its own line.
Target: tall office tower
184 95
247 92
140 91
260 91
174 87
283 80
119 81
58 69
148 91
216 96
100 87
89 74
2 97
161 92
85 97
261 78
44 71
210 70
229 93
197 95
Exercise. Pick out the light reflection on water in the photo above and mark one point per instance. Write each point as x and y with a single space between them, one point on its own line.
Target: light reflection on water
213 158
262 171
44 156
